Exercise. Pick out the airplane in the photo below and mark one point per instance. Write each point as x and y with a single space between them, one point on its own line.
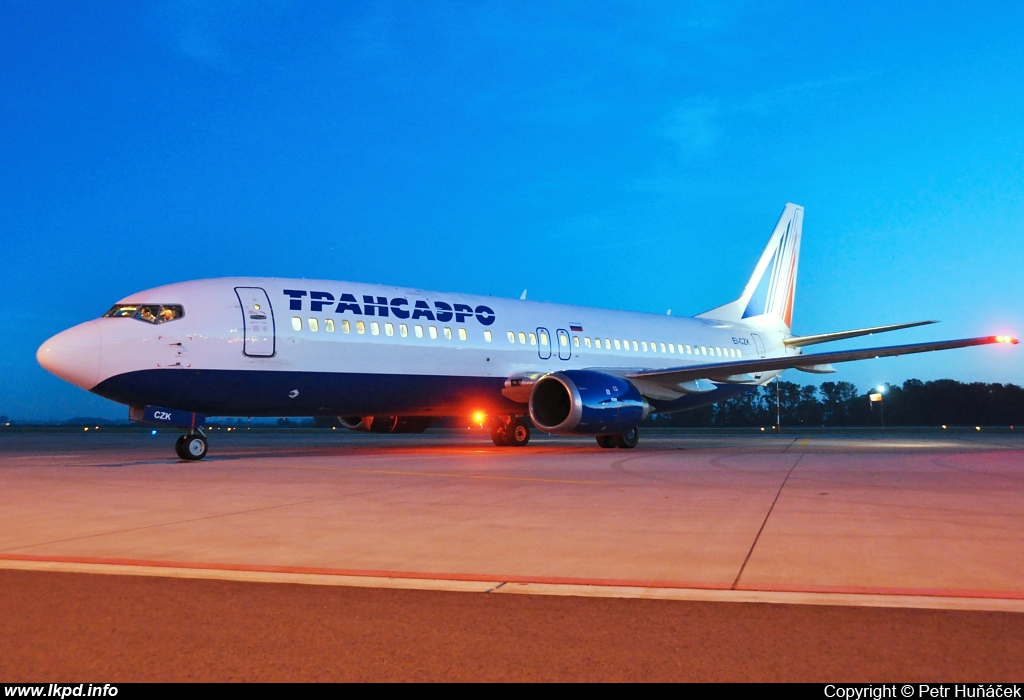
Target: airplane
392 359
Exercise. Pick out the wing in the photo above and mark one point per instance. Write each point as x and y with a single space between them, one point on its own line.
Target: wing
688 379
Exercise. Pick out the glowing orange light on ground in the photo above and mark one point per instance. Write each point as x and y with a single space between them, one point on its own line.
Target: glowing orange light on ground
479 417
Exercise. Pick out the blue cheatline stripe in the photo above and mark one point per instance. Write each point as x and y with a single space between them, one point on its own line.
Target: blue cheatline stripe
272 393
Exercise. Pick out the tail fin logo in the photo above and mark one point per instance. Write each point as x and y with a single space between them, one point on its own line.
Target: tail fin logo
775 276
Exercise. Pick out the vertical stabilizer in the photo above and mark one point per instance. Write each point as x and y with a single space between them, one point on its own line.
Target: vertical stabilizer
767 300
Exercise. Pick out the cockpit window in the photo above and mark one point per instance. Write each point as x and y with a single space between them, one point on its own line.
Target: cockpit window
150 313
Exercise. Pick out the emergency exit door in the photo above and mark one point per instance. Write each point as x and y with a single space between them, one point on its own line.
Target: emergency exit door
760 350
258 320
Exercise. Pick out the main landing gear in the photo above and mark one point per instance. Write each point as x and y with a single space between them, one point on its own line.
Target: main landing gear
192 445
626 440
510 432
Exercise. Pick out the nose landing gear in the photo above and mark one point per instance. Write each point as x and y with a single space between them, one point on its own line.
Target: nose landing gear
191 446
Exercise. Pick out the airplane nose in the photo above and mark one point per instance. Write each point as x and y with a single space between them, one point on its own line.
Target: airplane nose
73 355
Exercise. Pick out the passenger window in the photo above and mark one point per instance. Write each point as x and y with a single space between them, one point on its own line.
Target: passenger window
314 325
543 338
296 323
389 329
732 352
533 338
433 332
617 346
739 352
576 341
447 333
329 325
607 344
522 338
487 336
636 348
587 341
564 341
403 330
643 344
346 326
703 350
462 334
360 327
419 330
374 328
663 348
671 348
512 337
689 350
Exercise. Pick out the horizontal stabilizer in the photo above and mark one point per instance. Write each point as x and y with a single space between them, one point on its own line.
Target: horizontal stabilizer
679 377
799 341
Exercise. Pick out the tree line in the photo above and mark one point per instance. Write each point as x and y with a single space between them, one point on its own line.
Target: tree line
834 404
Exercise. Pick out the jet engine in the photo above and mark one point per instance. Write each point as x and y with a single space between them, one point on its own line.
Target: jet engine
582 402
386 424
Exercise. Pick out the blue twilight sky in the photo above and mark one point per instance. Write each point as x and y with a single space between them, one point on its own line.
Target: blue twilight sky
625 155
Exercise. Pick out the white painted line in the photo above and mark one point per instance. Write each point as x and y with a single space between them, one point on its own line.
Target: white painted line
776 597
554 589
253 576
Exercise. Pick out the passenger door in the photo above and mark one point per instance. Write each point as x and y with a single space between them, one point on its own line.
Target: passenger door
564 349
543 343
258 320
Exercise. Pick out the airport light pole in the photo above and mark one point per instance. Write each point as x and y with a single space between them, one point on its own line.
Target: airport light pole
778 406
876 397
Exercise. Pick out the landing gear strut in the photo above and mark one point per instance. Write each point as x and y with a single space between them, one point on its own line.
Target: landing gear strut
510 432
191 446
626 440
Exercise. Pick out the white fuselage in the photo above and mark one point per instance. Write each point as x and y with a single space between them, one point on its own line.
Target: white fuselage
318 347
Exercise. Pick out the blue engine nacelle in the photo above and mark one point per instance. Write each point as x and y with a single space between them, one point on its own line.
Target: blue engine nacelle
581 402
